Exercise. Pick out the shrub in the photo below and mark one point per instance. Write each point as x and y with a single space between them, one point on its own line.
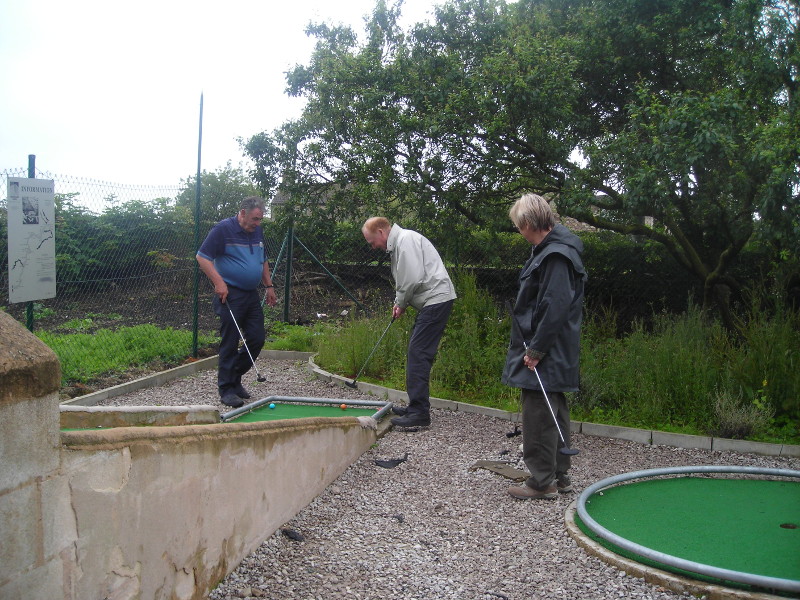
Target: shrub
738 419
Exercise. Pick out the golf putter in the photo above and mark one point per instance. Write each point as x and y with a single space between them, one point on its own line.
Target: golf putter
259 377
352 384
565 449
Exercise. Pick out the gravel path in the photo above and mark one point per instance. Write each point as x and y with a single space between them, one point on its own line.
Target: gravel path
431 528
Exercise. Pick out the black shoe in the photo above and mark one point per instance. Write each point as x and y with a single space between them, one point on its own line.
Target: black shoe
231 399
241 392
400 410
412 421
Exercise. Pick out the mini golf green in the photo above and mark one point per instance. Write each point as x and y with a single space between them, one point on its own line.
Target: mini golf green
739 531
299 411
289 407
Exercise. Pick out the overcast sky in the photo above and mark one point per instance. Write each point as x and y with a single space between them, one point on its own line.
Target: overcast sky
111 91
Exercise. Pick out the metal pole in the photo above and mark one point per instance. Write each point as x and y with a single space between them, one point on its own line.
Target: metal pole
196 285
287 283
29 306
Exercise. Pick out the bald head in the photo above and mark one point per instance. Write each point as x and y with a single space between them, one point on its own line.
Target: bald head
376 232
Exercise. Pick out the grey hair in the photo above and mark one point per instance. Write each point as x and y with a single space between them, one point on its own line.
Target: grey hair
534 211
252 202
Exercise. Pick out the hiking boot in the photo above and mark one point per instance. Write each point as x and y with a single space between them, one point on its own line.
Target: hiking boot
564 484
525 492
231 399
412 421
241 392
401 411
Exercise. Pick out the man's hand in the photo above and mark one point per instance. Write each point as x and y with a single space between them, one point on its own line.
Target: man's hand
397 311
271 297
221 290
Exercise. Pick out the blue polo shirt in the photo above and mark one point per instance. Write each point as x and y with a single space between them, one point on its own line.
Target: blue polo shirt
238 256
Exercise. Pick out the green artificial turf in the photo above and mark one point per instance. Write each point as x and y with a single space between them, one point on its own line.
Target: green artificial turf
292 410
745 525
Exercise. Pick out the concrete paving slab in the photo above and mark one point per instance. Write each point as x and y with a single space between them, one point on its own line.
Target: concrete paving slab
681 440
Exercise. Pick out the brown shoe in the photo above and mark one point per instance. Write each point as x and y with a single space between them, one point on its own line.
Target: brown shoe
525 492
564 484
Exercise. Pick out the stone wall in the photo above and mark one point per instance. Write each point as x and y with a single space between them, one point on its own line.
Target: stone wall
143 512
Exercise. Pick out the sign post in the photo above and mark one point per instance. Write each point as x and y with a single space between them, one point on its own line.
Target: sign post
31 240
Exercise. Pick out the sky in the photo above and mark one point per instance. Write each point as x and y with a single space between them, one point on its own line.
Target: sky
110 91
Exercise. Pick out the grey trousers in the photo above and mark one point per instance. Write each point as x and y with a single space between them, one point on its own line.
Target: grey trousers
540 440
428 329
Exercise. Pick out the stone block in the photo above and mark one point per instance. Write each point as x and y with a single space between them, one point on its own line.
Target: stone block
681 440
643 436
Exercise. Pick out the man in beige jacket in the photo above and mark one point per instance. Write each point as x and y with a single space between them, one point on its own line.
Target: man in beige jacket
421 281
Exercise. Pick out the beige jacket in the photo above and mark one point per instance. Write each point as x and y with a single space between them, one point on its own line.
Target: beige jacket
419 274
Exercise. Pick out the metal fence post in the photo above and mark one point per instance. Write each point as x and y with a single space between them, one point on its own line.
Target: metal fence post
287 283
29 306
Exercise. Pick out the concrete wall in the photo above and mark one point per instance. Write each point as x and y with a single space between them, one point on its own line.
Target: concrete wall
143 512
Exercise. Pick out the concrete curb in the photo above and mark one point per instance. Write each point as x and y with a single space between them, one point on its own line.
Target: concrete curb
642 436
170 374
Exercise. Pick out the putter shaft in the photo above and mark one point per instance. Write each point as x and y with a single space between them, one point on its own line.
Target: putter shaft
259 377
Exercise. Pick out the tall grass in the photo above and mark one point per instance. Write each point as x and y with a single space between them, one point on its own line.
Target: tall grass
686 373
663 376
690 374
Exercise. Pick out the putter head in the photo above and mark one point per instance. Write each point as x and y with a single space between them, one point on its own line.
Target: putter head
351 384
261 379
568 451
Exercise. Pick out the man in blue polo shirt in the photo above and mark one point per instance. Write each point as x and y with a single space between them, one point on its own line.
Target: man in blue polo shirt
234 259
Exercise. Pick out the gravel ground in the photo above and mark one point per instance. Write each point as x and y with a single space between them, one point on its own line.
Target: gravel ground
430 528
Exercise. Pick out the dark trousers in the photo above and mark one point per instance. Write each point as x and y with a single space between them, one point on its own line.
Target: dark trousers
234 361
540 440
428 329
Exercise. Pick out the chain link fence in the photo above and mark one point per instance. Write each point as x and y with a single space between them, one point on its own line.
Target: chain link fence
125 263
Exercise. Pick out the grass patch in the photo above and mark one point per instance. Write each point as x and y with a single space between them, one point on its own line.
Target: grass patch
283 336
86 356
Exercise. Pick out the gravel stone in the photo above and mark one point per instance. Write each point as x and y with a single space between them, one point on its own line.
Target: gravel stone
430 528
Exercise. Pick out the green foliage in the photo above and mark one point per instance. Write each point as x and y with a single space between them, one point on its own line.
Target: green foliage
473 349
221 193
285 336
690 372
345 349
682 114
128 239
470 358
663 377
738 419
84 356
685 373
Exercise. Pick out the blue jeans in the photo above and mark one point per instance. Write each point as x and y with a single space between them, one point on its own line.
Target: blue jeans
428 329
233 360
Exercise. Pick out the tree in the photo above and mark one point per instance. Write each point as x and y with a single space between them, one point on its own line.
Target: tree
678 110
221 192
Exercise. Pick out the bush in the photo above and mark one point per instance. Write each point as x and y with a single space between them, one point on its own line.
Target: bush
736 418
